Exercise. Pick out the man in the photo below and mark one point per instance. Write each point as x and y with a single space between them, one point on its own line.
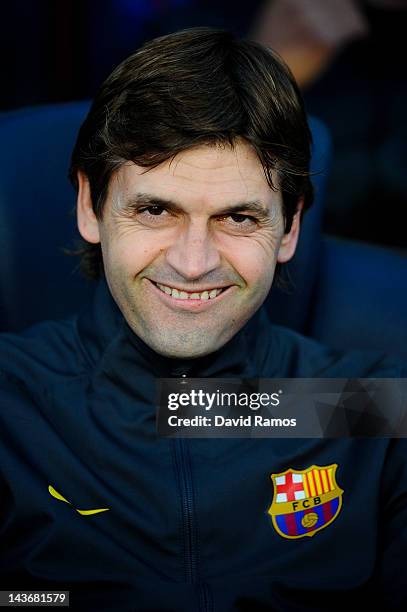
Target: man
192 175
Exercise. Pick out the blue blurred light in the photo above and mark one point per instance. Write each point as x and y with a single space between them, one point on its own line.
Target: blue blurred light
136 8
146 9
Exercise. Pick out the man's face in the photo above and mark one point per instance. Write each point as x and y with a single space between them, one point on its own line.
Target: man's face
190 247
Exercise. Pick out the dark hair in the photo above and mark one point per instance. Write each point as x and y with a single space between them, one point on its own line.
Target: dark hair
194 87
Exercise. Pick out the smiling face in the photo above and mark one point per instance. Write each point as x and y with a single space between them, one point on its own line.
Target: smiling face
190 247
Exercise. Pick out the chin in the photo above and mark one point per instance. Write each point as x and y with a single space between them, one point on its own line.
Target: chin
183 352
188 348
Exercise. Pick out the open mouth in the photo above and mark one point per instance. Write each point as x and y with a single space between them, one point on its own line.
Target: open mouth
179 294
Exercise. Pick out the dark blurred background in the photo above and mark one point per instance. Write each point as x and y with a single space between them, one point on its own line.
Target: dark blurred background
348 57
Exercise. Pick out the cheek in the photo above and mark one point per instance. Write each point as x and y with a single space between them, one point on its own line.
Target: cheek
257 272
131 250
253 259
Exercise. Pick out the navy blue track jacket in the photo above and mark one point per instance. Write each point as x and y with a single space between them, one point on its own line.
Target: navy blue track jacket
92 501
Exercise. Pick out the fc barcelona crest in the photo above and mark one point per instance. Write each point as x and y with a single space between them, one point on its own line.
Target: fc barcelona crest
305 501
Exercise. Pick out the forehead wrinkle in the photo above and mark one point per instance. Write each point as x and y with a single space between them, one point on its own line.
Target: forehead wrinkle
193 172
213 166
202 186
216 183
208 153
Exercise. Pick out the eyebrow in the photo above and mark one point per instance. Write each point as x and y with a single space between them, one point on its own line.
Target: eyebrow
139 200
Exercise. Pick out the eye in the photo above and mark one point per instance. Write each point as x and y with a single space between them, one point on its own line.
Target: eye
239 222
154 215
240 218
153 210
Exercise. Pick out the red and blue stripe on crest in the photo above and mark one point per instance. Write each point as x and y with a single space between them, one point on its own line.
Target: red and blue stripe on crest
290 524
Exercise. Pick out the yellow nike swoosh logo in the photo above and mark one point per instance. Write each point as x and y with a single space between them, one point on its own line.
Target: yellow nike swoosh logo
57 495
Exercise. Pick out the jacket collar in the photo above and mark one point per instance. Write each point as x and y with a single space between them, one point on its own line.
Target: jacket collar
108 343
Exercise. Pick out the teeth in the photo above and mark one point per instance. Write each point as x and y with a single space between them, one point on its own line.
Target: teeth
166 290
184 295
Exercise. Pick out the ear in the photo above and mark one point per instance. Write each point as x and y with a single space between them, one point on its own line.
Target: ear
88 224
289 241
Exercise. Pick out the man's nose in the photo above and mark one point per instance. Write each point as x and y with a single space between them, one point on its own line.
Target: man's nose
193 254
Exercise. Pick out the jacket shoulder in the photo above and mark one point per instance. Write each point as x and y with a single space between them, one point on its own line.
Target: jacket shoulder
307 358
49 349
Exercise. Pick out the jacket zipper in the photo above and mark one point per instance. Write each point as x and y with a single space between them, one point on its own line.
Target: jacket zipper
183 465
187 502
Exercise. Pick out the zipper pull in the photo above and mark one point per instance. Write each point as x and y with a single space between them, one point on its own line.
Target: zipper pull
180 372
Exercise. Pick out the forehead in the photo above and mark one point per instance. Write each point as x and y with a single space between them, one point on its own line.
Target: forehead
203 174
